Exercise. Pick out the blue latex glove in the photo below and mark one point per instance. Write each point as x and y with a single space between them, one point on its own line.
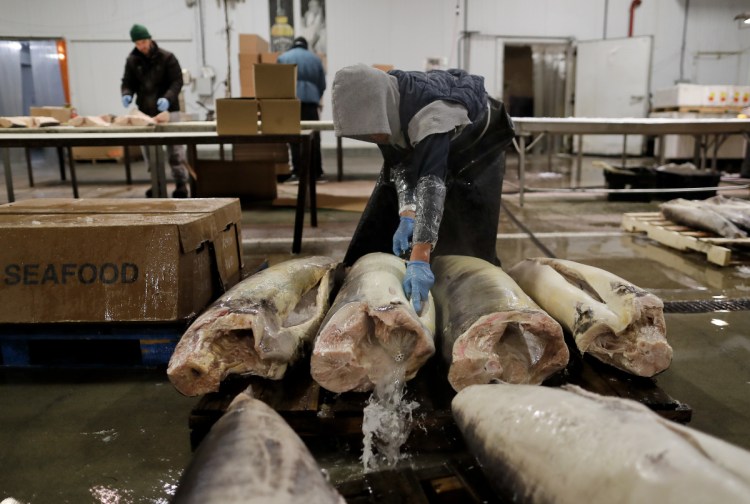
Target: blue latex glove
127 100
402 236
162 104
417 283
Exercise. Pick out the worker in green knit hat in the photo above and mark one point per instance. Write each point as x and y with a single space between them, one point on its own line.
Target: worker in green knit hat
139 32
153 75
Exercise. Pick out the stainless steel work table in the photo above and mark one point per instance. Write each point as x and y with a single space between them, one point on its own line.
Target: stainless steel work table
699 128
154 137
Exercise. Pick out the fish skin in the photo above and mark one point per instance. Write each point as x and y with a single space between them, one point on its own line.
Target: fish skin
700 215
371 328
566 445
489 329
252 455
610 318
257 327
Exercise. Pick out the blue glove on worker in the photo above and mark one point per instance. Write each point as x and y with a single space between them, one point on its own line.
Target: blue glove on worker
127 100
162 104
403 235
417 283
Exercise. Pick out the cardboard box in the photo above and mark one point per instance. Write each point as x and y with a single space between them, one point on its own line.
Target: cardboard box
254 180
247 82
271 57
275 80
116 260
680 95
236 116
718 96
252 43
247 60
740 96
276 152
98 153
280 116
62 114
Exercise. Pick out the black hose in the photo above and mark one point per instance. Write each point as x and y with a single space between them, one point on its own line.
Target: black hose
547 252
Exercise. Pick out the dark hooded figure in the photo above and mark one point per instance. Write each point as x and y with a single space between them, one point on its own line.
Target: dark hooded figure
442 139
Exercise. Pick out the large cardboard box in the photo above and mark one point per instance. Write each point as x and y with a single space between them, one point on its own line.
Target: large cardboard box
62 114
116 260
248 179
271 57
252 43
98 153
680 95
276 152
236 116
275 80
280 116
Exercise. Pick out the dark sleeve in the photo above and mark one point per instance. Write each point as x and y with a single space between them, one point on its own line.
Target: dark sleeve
174 74
431 156
129 85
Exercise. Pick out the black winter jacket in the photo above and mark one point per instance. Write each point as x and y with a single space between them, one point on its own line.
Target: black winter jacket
151 77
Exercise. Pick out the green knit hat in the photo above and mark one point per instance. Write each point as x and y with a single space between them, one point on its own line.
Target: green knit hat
139 32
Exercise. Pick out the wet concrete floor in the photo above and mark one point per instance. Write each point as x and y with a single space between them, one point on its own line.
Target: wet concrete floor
121 436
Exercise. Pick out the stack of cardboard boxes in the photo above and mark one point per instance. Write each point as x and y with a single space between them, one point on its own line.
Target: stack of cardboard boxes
268 105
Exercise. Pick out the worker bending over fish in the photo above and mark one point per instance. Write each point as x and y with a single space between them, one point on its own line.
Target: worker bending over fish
442 139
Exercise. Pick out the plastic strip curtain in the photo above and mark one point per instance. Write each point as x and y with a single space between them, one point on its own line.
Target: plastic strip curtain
11 90
45 69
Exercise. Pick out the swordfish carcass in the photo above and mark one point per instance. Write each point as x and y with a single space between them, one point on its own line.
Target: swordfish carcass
610 318
257 327
489 329
251 455
372 329
564 445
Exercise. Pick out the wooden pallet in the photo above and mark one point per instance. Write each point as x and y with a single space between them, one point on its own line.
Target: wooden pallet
718 250
87 345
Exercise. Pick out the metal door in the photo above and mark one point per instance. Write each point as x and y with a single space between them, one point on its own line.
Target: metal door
612 80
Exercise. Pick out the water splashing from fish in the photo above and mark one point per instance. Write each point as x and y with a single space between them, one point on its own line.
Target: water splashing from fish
387 422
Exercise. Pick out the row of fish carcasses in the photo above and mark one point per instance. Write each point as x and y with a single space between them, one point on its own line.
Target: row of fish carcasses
537 444
489 325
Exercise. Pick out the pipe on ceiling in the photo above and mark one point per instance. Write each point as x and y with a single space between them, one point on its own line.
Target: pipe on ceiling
633 6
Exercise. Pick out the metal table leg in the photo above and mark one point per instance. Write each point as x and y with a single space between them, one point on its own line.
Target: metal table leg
28 167
128 173
8 174
339 160
521 167
61 160
73 178
624 151
579 162
158 178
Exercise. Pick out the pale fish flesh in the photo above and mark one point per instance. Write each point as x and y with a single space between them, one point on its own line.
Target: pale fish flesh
697 215
257 327
489 329
543 444
609 317
372 329
252 455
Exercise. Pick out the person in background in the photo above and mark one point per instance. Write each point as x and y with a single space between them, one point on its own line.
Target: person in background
154 77
311 84
443 140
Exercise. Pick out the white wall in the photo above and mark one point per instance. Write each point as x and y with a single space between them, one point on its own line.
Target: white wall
399 32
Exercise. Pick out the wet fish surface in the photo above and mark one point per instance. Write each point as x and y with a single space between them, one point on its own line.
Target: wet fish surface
714 216
372 328
565 445
489 329
609 318
260 326
252 455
